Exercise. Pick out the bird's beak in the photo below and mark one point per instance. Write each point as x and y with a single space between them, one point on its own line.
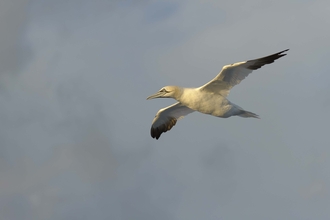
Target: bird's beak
156 95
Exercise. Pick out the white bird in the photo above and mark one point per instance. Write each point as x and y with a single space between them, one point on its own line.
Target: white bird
209 98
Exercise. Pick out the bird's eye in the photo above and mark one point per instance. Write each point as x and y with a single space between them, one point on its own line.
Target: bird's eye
163 90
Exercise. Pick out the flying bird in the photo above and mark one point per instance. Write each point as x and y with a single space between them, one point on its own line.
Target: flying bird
209 98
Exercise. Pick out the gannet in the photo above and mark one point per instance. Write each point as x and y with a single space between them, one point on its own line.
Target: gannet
209 98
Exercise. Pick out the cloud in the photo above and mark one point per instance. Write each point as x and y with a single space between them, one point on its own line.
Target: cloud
75 123
15 52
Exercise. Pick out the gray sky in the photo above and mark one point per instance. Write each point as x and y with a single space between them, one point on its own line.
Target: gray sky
74 131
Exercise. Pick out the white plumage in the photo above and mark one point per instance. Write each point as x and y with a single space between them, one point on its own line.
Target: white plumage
209 98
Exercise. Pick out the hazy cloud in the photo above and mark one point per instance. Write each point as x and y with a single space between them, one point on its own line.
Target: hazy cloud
15 51
74 133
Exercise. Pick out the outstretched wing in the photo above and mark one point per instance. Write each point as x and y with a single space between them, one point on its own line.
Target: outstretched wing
233 74
167 117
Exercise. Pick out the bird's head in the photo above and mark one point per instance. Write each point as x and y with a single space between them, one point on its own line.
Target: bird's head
165 92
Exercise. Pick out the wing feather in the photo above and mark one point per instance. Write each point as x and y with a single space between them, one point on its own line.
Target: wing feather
233 74
167 117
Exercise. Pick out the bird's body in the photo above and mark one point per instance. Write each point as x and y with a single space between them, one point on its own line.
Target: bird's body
210 98
206 102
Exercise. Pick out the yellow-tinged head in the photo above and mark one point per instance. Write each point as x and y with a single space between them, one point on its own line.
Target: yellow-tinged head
166 92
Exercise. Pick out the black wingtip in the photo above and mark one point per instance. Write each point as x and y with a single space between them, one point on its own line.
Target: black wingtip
281 53
157 131
277 55
284 51
266 60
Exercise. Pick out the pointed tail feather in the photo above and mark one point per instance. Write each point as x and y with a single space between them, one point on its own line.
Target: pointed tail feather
246 114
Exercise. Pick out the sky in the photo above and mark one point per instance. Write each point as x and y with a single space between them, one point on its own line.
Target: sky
75 122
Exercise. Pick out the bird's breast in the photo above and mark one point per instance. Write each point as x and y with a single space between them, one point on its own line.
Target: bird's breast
205 102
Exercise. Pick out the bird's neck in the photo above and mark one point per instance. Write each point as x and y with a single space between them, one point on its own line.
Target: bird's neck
183 93
178 92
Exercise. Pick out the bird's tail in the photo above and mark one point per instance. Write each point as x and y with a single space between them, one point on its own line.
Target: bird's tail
246 114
